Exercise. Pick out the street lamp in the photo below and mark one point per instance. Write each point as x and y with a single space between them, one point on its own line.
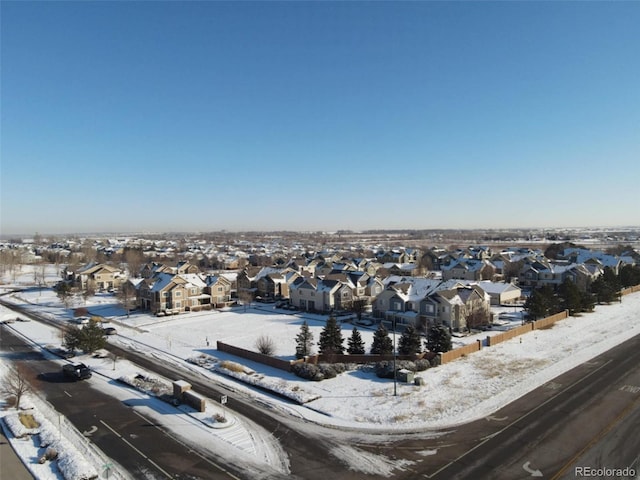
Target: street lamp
395 375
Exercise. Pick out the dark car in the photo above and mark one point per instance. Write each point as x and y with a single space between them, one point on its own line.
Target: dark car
79 371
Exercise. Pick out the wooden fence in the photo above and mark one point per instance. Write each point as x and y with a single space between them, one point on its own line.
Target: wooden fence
452 355
255 356
502 337
627 291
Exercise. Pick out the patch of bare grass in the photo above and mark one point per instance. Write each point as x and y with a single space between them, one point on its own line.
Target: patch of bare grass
28 421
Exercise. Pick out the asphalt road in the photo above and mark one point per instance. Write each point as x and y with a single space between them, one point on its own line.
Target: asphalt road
587 417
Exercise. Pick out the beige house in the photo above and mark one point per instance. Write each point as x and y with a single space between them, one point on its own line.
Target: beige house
100 276
168 293
459 308
501 293
219 290
468 269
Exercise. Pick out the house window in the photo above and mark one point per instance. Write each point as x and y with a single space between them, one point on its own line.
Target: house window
178 294
165 294
178 305
220 289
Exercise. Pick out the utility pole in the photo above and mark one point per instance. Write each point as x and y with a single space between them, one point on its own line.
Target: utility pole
395 375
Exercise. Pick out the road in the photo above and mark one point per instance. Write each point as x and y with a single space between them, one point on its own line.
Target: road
587 417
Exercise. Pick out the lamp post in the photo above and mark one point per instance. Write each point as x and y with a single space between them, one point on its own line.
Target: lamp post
395 375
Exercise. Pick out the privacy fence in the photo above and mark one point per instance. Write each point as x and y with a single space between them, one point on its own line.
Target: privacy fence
287 364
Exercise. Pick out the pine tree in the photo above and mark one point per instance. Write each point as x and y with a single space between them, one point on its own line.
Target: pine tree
330 341
541 303
570 298
410 341
382 344
438 339
304 341
606 287
355 343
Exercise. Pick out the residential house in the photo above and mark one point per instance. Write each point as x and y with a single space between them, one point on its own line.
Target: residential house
100 276
469 269
401 298
501 293
458 308
218 288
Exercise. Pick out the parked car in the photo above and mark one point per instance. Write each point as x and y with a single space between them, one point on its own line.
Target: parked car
110 331
80 320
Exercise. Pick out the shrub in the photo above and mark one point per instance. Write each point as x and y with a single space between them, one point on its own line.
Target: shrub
265 345
327 371
339 367
384 369
422 365
308 371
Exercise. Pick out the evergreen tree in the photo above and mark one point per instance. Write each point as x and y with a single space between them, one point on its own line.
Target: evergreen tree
382 343
606 287
304 341
541 303
88 339
570 298
355 343
330 341
410 341
587 301
629 275
438 339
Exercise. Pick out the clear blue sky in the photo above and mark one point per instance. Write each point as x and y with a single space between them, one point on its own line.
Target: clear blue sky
201 116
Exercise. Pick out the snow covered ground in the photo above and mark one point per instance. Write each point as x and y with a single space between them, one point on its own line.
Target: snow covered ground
472 387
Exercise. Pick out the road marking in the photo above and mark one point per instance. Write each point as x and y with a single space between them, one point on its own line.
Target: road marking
517 420
553 385
211 462
630 388
167 474
91 431
68 394
533 473
596 439
496 419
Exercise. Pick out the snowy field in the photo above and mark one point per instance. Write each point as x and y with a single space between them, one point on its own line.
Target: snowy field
472 387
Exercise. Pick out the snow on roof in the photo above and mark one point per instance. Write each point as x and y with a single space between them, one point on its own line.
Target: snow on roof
162 279
496 287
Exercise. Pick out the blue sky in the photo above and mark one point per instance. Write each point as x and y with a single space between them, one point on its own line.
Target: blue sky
202 116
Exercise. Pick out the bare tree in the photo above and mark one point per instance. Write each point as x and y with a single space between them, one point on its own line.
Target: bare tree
265 345
89 290
126 296
246 297
15 385
134 258
477 317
